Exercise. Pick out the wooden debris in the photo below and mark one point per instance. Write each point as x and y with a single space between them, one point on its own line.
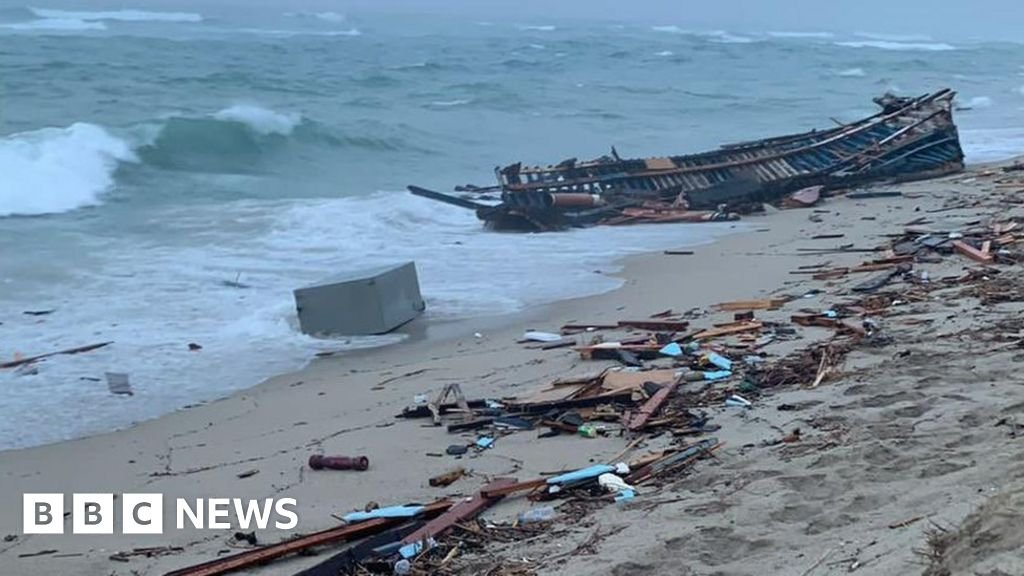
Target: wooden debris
964 249
78 350
448 477
739 328
767 304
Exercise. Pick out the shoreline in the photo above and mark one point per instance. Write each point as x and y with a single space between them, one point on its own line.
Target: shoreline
417 333
346 405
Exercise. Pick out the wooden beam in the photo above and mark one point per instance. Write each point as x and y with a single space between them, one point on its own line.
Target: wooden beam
272 552
971 252
460 512
640 418
718 332
766 304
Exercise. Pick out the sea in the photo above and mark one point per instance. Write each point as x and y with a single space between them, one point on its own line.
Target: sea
168 178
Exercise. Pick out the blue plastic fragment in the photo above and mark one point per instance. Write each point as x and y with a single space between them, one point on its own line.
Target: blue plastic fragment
414 548
831 314
720 361
388 512
625 496
583 474
717 375
672 349
485 442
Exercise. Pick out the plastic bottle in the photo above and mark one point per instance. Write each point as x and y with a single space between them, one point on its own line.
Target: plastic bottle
533 515
403 567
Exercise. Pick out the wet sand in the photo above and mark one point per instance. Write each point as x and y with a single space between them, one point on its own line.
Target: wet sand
893 438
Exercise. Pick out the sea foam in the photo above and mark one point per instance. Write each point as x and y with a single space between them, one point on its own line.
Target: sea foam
55 170
55 24
118 15
893 45
260 120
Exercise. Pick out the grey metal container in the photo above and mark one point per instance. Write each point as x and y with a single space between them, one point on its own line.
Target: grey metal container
370 301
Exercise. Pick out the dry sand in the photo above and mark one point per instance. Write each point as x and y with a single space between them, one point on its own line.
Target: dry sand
907 440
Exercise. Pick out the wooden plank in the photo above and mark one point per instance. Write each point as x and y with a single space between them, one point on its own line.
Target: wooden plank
78 350
272 552
971 252
655 325
766 304
814 320
737 329
460 512
831 274
640 418
498 492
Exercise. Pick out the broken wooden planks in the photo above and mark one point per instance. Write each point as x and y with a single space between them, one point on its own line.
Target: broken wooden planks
973 253
739 305
259 556
736 328
464 510
639 419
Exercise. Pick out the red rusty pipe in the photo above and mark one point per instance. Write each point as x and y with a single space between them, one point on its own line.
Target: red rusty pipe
319 462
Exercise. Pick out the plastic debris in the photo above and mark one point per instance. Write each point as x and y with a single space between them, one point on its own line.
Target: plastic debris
485 442
717 375
719 360
534 515
672 350
738 401
535 336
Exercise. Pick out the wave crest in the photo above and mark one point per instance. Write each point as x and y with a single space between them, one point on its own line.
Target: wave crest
260 120
55 24
54 170
892 45
118 15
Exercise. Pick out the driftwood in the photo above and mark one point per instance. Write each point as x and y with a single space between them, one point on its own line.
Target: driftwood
31 359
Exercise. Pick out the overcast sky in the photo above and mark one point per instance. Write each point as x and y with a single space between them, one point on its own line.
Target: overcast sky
996 19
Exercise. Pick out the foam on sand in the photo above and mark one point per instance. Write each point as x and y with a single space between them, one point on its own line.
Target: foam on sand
55 170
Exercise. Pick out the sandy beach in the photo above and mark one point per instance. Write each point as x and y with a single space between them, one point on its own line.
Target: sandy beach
907 461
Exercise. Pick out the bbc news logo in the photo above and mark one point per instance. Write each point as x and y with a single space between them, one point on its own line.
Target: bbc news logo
144 513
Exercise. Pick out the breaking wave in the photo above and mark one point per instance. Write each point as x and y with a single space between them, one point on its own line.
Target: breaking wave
820 35
54 170
851 73
540 28
55 24
231 140
117 15
894 37
893 45
260 120
719 36
323 16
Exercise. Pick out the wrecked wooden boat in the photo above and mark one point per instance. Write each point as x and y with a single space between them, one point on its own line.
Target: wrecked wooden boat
910 138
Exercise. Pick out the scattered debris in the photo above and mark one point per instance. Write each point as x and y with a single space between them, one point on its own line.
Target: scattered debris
117 383
30 359
320 462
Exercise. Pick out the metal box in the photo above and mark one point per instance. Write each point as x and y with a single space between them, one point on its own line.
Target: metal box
372 301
